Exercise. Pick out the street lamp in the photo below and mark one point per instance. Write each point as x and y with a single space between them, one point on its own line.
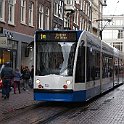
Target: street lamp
102 28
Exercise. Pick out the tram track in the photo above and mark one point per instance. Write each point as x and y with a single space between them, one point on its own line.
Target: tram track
67 110
51 118
46 112
18 111
44 109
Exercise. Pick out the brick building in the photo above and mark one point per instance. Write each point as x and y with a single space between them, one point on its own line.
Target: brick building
20 18
18 24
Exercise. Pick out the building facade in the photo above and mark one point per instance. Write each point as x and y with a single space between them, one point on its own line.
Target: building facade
97 19
43 14
20 18
57 14
17 24
78 15
113 32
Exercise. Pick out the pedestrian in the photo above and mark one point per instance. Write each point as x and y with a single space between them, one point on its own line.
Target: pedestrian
6 76
26 77
32 76
17 78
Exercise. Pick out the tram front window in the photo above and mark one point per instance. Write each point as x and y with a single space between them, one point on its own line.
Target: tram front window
55 58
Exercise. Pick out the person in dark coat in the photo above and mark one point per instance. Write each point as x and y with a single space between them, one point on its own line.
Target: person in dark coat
6 76
26 77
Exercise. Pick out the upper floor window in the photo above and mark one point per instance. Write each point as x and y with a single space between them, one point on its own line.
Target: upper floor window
2 9
31 13
56 9
41 11
11 11
47 19
120 34
60 11
70 2
23 11
118 45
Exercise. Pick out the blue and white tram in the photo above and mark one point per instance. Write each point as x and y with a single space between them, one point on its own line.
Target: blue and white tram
73 66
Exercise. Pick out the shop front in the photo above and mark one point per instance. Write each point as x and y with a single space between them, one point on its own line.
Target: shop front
13 47
8 51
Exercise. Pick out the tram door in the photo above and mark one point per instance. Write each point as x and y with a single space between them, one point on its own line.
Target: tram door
120 71
116 71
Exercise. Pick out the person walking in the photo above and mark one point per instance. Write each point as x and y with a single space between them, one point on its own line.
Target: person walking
26 77
17 78
6 76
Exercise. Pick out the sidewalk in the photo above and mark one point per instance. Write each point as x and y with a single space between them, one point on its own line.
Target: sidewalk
16 101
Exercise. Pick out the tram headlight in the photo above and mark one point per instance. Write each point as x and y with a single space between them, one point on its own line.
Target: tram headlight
38 81
68 82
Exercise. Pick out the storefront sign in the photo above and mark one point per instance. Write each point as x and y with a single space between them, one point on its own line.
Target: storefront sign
3 42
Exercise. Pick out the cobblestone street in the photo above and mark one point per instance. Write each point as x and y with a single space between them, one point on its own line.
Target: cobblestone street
107 109
15 102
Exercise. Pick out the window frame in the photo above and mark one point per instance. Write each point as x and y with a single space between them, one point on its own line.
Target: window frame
2 17
47 18
31 9
11 12
41 16
23 11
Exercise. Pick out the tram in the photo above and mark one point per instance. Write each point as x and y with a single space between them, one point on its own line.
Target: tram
74 66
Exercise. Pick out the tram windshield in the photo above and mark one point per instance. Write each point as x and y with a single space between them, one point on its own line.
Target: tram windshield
55 58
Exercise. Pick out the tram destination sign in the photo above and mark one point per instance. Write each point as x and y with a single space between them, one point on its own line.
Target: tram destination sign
56 36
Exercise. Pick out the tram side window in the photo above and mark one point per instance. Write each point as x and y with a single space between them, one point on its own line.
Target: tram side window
107 69
80 67
120 67
93 64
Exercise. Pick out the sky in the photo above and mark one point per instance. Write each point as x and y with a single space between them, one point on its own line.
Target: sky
114 7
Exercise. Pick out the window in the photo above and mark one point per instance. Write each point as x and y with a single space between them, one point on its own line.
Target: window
23 11
56 9
107 69
41 11
60 11
11 11
120 34
81 5
31 14
84 6
93 64
80 27
47 19
77 21
93 61
75 17
68 1
71 2
118 45
2 10
65 21
80 65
